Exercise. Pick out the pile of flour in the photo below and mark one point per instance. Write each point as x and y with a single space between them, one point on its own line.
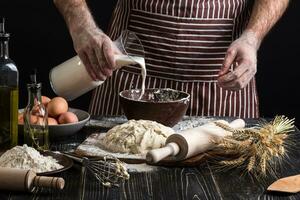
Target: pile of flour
24 157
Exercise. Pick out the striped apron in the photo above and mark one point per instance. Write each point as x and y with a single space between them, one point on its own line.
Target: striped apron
185 42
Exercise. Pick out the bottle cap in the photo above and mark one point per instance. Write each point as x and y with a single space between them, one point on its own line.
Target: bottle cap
3 35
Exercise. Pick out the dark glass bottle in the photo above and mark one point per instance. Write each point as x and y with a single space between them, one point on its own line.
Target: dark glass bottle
36 132
9 94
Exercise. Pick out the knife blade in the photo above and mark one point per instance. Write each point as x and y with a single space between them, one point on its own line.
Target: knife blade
290 184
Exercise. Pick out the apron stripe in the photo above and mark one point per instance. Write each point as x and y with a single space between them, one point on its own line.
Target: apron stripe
248 100
220 101
105 95
225 103
108 96
119 76
198 97
245 101
192 105
115 96
230 104
234 104
219 9
149 82
99 93
203 98
95 99
167 8
253 99
210 101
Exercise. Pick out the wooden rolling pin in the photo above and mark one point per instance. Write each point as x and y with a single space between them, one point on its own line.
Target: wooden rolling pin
188 143
26 180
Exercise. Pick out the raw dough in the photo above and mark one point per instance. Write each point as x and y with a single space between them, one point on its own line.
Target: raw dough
136 136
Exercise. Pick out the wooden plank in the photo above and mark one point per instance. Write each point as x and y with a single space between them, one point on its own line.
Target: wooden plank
165 183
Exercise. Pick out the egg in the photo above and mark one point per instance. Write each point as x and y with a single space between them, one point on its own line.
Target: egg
20 118
40 121
67 117
45 100
36 120
52 121
33 119
57 106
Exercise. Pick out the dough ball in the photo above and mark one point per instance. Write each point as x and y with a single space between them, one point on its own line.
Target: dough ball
136 136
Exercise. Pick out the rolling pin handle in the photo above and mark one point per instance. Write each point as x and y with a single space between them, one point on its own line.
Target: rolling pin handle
237 123
51 182
156 155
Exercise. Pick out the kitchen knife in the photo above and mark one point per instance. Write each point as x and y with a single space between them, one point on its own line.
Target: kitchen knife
289 184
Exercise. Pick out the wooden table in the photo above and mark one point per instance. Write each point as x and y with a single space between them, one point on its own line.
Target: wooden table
202 182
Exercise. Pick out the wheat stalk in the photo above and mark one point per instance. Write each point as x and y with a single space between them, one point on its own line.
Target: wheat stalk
251 163
235 162
256 147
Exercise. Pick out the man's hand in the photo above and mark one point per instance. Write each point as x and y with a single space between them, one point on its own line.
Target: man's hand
241 55
96 50
242 52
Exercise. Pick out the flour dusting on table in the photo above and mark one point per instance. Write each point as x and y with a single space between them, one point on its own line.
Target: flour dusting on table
140 167
24 157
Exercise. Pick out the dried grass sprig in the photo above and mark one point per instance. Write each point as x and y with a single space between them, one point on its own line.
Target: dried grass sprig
258 149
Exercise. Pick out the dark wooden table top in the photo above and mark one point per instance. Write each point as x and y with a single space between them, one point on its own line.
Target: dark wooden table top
201 182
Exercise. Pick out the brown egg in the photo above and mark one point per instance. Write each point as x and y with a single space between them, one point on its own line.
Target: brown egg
41 121
57 106
52 121
45 100
20 118
67 117
33 119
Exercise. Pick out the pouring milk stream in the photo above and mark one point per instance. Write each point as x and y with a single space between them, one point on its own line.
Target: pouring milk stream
71 79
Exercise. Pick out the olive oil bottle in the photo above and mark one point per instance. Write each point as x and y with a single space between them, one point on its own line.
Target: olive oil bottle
9 94
35 117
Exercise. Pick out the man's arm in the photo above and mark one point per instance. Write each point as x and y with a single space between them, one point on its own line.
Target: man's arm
94 48
242 52
76 14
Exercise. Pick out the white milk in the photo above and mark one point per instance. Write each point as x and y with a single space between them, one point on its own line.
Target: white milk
122 60
71 80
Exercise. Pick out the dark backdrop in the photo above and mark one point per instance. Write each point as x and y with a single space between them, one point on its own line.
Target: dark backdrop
40 40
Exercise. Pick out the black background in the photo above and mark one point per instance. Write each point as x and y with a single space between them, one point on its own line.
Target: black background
39 39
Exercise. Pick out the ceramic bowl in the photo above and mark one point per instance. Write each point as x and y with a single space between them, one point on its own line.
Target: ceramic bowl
62 130
166 106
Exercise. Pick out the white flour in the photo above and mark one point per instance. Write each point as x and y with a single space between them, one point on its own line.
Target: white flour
24 157
140 167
